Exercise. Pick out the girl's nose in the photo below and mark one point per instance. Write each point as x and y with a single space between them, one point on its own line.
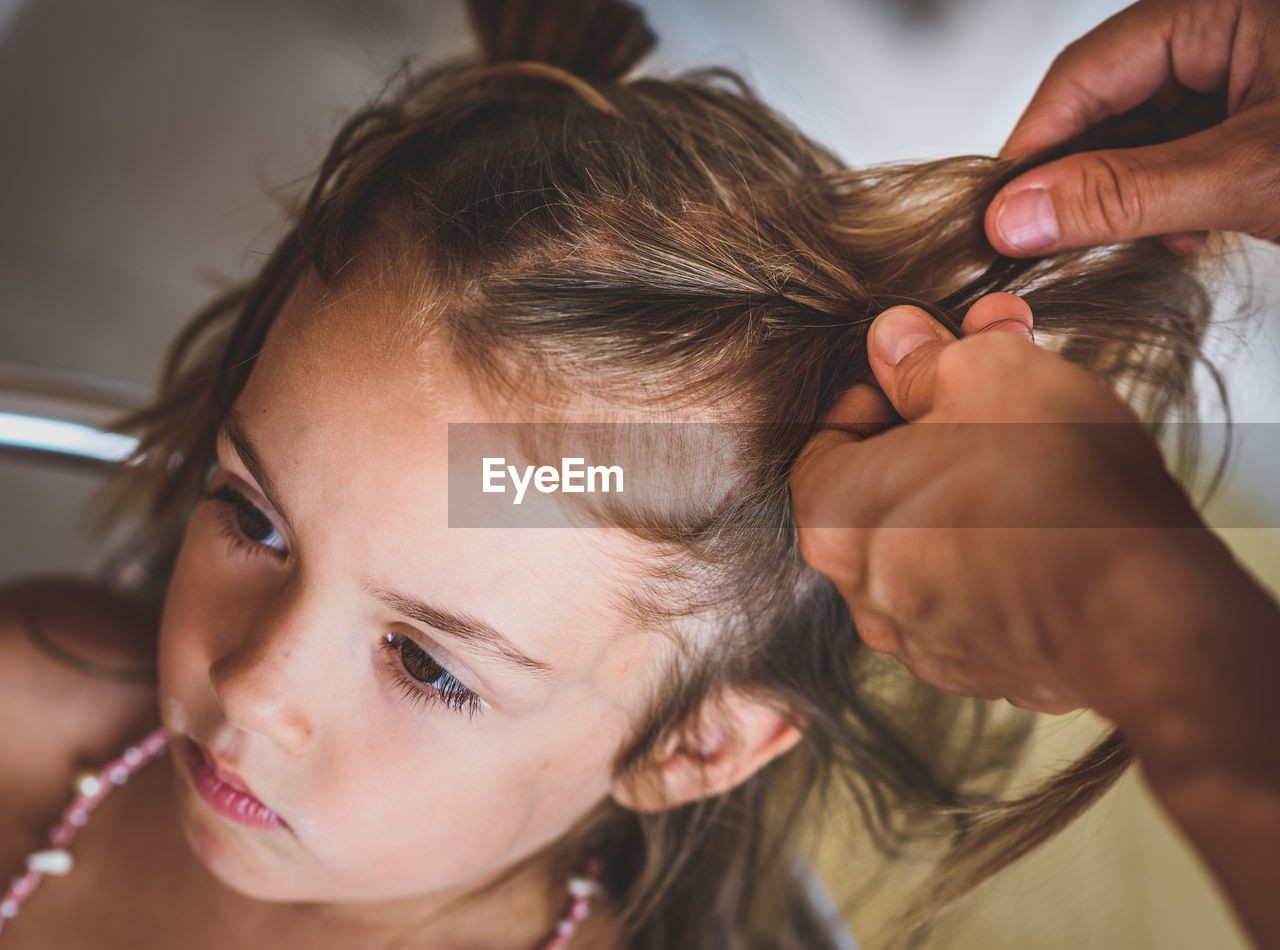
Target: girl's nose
267 682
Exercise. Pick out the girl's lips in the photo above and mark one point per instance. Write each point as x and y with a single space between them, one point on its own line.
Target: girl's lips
226 793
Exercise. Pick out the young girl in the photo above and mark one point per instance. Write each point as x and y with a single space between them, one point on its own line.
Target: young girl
380 729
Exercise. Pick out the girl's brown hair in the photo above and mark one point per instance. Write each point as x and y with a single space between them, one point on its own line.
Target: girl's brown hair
673 244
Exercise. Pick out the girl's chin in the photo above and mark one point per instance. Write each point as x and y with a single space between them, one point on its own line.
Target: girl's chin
223 851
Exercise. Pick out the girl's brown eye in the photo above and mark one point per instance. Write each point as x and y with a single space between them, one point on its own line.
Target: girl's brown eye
254 524
423 680
419 664
243 524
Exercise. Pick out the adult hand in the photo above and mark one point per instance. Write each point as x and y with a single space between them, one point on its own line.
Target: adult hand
970 542
1169 54
950 543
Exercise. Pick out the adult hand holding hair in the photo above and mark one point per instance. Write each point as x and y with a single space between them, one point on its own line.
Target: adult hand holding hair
1173 58
1021 538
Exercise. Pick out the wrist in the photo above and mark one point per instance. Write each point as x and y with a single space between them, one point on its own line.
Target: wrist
1190 651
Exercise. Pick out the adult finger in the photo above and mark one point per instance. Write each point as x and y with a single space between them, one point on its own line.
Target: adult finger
1223 178
999 313
864 409
861 410
1187 243
1122 63
903 343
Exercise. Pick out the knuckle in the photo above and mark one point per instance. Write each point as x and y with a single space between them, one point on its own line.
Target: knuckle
817 548
1109 198
877 635
1252 163
889 584
810 548
837 554
895 591
1253 159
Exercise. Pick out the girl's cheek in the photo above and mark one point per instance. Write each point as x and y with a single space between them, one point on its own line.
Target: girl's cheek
204 547
190 609
174 693
207 579
176 716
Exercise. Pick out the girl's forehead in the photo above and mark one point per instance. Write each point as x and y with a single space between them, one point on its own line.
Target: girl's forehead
353 430
365 326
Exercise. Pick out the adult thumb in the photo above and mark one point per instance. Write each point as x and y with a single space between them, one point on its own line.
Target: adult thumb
1103 197
903 342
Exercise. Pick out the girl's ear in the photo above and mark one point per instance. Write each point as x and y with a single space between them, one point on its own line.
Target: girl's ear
737 734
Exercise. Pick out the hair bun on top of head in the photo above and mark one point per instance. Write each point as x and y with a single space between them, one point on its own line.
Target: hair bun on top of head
596 40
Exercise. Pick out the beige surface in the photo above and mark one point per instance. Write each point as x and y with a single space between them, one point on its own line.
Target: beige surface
1121 876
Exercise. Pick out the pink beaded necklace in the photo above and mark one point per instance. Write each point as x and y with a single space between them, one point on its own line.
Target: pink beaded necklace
92 787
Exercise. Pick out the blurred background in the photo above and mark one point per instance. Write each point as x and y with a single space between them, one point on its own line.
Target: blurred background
140 138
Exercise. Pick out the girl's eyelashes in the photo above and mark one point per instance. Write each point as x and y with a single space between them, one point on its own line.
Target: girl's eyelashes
418 675
423 679
243 523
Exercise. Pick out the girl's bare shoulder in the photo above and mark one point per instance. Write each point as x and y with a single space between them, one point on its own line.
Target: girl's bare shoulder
76 682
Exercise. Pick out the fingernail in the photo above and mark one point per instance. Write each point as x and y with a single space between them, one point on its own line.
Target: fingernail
1026 220
899 332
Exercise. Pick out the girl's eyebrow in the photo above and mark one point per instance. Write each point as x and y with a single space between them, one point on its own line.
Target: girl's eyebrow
233 428
471 630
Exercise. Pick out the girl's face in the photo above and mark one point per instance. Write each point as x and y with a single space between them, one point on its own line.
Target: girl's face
420 706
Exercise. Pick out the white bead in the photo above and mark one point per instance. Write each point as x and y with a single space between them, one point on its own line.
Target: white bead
8 908
118 774
133 757
78 817
585 887
88 785
55 861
